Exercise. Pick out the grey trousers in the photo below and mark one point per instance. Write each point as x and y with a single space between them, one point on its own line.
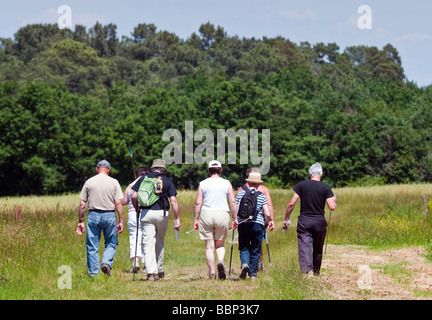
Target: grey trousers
311 232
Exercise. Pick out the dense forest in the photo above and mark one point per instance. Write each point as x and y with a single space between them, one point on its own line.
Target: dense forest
69 98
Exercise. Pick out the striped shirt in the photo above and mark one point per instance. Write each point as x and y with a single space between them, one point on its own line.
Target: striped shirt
261 201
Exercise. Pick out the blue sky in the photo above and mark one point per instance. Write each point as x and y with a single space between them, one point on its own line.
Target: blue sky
405 24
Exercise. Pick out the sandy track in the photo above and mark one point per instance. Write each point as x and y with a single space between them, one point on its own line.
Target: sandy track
354 272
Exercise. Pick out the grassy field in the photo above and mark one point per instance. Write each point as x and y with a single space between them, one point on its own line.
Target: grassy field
37 238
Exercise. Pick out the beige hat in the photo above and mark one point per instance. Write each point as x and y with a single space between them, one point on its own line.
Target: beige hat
158 163
254 177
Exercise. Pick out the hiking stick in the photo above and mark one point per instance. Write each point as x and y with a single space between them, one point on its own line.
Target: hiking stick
187 233
136 246
328 232
232 244
250 218
268 250
133 165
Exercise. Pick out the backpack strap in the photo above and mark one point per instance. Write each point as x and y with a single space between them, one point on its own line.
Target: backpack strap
245 188
163 197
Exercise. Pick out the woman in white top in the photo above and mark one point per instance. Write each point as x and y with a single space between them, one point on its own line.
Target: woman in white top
213 223
132 224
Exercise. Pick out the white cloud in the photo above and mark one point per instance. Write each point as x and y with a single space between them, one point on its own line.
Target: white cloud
89 19
307 14
349 24
416 37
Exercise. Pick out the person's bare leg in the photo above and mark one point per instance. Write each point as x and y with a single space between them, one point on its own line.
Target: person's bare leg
210 247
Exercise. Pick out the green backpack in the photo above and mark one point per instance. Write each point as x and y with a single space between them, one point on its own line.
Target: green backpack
149 191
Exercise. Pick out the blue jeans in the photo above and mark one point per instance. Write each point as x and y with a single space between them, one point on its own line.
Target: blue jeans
96 223
250 239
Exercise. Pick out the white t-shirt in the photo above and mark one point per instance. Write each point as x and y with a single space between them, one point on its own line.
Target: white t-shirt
215 193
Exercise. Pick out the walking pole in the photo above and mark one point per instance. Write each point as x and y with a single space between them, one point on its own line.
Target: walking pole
188 232
136 246
268 250
232 244
250 218
328 232
133 165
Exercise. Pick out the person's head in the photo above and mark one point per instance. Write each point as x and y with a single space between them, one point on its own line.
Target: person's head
254 179
252 169
316 170
103 167
215 168
142 171
158 165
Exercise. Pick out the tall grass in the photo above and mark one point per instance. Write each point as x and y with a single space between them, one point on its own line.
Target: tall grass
382 217
37 236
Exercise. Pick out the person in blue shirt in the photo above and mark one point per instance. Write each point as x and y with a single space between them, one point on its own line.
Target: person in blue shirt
250 231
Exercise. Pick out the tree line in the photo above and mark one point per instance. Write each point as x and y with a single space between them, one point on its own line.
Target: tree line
69 98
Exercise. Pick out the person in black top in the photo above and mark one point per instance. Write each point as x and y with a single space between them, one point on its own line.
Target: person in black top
154 220
311 225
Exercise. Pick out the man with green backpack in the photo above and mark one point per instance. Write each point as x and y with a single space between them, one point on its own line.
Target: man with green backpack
151 197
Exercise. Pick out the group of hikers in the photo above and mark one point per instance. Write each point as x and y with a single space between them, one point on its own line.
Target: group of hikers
216 205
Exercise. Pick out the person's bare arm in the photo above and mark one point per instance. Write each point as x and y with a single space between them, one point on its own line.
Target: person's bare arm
290 209
135 201
198 203
119 209
331 202
176 209
81 213
233 203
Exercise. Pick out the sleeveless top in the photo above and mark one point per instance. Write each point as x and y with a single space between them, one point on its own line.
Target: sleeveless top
215 193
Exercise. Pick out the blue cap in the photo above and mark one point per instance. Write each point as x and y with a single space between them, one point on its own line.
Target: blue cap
103 164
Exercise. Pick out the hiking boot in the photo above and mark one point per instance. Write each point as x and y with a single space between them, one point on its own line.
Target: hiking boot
106 269
161 275
221 271
253 278
152 277
244 271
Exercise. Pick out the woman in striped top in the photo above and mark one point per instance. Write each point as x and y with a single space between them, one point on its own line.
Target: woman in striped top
250 232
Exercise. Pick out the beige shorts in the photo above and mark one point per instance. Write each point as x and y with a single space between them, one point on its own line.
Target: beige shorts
213 224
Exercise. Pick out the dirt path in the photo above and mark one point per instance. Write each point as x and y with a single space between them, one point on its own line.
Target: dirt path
354 272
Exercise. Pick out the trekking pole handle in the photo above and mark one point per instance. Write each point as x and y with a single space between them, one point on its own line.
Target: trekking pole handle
250 218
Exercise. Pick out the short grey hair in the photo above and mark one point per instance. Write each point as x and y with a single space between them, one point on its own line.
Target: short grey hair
316 169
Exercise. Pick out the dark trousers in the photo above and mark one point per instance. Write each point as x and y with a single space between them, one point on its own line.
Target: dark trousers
311 232
250 239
